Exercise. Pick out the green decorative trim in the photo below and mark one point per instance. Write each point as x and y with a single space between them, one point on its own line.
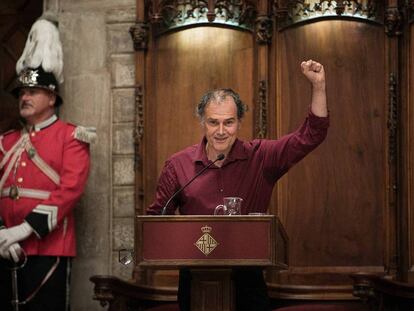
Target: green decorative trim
300 11
170 14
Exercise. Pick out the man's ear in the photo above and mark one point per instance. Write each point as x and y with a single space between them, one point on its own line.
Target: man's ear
52 99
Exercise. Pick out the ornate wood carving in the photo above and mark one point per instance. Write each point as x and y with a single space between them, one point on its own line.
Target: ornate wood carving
264 30
392 123
139 124
298 11
104 295
120 295
140 35
393 22
382 293
392 118
171 14
261 121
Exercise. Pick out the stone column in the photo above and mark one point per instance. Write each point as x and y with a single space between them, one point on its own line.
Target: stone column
99 91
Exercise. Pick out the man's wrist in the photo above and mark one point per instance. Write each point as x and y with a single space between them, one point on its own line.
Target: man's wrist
26 229
319 86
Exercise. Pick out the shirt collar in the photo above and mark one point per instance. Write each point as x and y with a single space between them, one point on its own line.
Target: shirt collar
200 153
44 124
237 152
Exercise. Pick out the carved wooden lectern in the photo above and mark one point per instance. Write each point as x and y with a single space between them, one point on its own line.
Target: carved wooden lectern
210 246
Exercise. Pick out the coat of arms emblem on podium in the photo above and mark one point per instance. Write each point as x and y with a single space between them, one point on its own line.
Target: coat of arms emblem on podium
206 243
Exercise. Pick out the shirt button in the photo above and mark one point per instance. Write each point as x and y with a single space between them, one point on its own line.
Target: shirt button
24 164
20 179
221 190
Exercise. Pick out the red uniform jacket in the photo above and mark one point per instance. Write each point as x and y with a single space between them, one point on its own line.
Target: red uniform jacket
50 217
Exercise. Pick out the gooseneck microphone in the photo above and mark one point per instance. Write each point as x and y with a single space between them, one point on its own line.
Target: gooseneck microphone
219 158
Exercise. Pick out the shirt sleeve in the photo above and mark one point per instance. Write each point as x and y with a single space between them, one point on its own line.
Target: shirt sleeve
50 213
167 186
283 153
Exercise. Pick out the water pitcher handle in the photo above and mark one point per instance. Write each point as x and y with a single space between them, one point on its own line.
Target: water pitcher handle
219 208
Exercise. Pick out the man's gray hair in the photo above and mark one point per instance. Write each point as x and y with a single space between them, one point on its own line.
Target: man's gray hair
220 95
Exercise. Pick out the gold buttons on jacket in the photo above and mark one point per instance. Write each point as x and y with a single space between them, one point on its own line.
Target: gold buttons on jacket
24 164
33 134
20 179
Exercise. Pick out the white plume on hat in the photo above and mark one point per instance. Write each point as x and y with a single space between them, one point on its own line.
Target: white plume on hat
43 48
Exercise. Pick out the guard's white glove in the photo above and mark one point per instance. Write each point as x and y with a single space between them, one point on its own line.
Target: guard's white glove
13 253
5 254
14 234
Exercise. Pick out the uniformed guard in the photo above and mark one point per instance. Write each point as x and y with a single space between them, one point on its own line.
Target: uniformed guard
43 172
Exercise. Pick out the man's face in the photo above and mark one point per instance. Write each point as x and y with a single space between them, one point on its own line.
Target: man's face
221 126
36 104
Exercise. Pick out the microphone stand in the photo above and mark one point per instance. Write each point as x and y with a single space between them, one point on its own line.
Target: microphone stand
219 158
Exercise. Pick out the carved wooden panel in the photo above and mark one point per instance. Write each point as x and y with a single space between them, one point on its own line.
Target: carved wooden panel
213 291
184 65
334 202
16 18
181 67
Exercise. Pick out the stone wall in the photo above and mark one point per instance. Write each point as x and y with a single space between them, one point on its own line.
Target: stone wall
98 91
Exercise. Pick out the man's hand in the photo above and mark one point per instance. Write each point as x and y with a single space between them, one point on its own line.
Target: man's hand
314 72
13 235
13 253
316 75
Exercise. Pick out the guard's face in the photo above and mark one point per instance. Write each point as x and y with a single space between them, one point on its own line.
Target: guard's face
221 126
36 104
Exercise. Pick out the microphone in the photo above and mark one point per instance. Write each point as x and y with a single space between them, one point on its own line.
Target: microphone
219 158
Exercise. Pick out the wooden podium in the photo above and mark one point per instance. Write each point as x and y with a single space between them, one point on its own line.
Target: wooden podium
210 246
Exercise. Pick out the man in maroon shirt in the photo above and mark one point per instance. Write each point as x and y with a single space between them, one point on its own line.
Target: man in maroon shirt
249 170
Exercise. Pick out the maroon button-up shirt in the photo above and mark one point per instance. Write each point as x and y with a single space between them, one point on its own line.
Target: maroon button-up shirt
249 171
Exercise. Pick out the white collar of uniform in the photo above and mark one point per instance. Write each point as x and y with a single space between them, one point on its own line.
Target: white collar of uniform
45 123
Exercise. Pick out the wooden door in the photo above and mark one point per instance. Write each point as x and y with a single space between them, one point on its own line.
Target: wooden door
334 203
16 18
182 67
